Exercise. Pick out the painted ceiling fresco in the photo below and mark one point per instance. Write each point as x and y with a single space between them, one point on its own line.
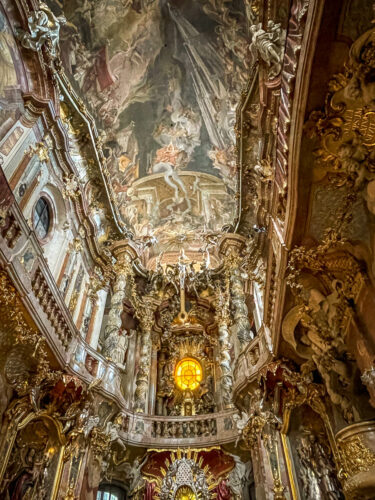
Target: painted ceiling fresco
163 80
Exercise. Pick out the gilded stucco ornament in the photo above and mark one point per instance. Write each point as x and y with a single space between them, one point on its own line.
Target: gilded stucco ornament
355 457
26 366
344 128
183 469
71 187
39 149
325 281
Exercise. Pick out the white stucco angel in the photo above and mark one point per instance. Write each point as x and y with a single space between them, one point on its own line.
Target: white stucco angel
135 474
43 26
240 420
112 430
268 45
237 478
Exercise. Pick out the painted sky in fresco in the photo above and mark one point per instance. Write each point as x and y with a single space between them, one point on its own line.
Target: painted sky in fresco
163 80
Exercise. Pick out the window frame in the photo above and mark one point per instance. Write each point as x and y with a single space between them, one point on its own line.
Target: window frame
52 217
176 376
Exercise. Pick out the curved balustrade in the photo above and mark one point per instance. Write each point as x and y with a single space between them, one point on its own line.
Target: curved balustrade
172 432
142 430
41 297
22 256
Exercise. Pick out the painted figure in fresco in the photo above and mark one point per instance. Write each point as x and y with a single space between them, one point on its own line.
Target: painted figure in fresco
9 93
171 177
30 476
8 75
188 83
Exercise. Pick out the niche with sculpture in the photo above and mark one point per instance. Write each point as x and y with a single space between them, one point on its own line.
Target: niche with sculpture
32 463
185 377
312 461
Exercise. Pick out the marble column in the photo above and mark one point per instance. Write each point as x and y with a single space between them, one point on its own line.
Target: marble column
112 338
97 325
225 362
160 369
226 379
153 380
94 310
142 380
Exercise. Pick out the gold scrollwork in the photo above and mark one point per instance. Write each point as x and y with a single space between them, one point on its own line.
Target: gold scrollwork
354 457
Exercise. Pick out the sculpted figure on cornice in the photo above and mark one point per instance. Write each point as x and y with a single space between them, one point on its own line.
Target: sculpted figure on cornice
240 266
115 337
329 357
263 425
268 45
44 29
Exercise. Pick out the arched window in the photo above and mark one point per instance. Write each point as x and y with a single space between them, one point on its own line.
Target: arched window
188 374
42 218
110 492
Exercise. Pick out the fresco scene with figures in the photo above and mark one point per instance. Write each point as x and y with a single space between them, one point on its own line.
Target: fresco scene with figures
187 258
165 94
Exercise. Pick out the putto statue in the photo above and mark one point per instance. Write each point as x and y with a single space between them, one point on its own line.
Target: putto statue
44 27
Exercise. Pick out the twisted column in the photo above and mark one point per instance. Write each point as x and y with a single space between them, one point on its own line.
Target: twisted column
226 379
146 316
112 340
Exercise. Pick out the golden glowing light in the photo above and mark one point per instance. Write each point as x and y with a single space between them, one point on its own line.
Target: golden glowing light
185 493
188 374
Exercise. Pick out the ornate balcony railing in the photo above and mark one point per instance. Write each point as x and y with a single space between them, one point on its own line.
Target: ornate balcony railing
22 256
256 354
171 432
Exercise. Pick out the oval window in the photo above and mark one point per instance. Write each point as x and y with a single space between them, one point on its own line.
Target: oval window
42 218
188 374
